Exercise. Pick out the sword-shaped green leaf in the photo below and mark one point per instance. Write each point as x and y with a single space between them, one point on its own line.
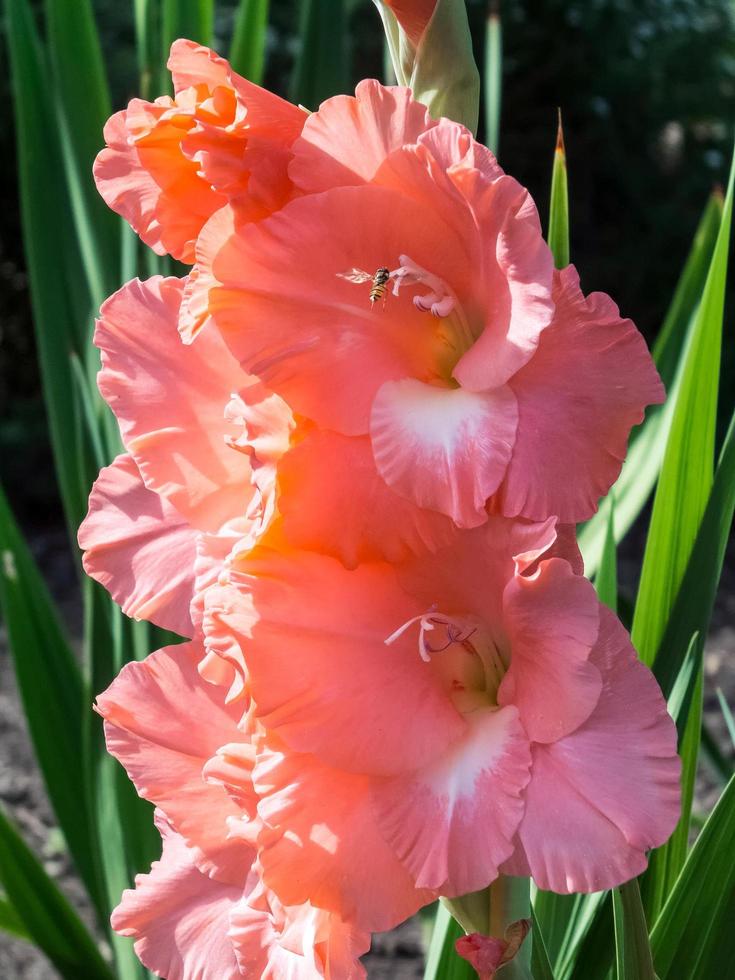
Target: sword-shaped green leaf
443 961
46 915
321 68
493 75
247 51
54 696
606 580
60 299
590 953
687 470
540 962
694 936
10 921
78 92
645 453
685 707
144 12
632 949
727 715
692 608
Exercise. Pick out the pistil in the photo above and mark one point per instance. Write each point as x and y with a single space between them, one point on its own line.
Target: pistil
473 670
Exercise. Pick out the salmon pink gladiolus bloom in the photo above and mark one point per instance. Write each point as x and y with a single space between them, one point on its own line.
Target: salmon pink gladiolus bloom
170 164
478 373
472 712
203 911
357 437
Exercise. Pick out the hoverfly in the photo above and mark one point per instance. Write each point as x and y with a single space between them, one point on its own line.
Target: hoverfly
379 280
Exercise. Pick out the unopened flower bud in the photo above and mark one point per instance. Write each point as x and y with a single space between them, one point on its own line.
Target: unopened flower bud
431 50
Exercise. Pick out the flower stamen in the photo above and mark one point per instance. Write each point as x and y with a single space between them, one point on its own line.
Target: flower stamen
429 621
441 300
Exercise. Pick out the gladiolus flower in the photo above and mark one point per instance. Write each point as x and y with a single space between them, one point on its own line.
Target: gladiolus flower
357 438
171 163
480 375
203 911
466 709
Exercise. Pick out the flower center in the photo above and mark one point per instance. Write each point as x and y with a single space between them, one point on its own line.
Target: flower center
452 332
463 655
440 300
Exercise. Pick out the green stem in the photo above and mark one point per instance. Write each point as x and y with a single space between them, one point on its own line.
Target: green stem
510 900
472 911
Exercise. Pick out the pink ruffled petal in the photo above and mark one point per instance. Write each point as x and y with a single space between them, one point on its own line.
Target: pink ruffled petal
194 313
333 500
454 149
154 187
163 724
446 449
170 402
228 617
212 554
516 273
345 142
452 823
179 918
470 574
354 701
505 287
192 64
297 943
274 290
170 164
578 398
607 793
139 548
321 843
552 621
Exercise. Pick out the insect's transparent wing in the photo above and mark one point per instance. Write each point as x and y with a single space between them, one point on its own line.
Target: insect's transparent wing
355 275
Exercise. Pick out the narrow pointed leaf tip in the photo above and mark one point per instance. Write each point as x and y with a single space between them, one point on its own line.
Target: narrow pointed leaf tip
559 205
560 148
